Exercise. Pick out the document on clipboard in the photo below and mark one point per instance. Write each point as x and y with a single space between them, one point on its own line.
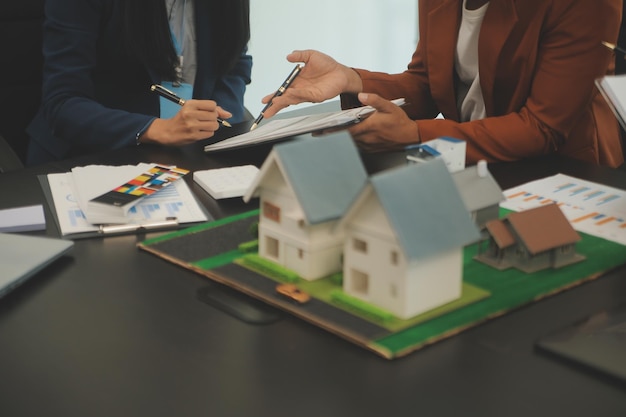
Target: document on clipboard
613 89
279 129
68 193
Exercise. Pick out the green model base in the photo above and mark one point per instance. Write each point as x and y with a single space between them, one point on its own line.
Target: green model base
487 292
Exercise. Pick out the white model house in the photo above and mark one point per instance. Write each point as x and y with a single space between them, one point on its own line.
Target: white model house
451 150
480 192
404 239
305 186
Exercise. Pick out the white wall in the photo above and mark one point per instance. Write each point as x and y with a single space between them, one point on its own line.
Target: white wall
378 35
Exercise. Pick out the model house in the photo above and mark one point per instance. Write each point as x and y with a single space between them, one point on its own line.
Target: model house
305 186
530 240
480 192
450 150
404 238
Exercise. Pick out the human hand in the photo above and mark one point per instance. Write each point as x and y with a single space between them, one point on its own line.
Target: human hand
321 78
196 120
388 128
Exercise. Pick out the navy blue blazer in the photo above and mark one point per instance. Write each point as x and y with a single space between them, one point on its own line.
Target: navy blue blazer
94 97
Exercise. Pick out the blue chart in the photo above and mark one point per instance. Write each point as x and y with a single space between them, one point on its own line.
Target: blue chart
591 208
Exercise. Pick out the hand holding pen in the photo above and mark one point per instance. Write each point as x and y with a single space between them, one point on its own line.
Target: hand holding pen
171 96
292 76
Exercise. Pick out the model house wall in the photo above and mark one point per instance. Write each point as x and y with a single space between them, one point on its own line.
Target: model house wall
304 187
530 240
404 237
480 192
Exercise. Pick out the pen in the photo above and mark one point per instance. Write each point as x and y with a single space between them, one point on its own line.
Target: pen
279 92
614 48
171 96
170 222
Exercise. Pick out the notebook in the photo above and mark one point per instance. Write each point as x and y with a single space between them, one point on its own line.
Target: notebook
22 256
598 343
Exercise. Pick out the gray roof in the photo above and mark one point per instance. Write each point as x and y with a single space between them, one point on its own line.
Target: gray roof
425 209
477 192
325 173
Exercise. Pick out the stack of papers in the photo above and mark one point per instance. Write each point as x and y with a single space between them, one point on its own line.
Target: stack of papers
72 191
113 205
278 129
22 219
613 88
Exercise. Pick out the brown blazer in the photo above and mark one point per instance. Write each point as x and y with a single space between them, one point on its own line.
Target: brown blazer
538 60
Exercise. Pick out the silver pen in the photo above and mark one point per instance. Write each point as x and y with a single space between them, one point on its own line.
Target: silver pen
113 229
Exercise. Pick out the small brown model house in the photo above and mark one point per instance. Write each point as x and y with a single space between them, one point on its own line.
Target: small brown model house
530 240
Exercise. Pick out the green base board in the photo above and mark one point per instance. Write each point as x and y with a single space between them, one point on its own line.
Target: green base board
211 249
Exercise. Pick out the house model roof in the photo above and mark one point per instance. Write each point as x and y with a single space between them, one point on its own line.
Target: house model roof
325 174
539 229
478 189
424 208
542 228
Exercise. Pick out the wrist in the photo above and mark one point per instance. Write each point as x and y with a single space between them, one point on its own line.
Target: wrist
354 84
140 135
153 131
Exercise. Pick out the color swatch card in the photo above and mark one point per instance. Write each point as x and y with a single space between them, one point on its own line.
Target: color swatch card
175 201
120 199
97 188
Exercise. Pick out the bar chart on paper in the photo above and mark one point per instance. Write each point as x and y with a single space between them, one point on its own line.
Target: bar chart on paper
591 208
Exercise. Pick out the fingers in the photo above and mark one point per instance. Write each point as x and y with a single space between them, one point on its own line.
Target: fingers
300 55
197 119
377 102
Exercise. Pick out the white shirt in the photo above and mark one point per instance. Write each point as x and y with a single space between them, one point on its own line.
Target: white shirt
181 15
469 95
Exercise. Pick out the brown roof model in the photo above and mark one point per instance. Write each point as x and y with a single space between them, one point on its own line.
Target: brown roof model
542 228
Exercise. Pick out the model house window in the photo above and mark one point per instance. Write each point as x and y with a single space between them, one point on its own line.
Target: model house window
301 224
271 245
359 245
394 257
393 290
300 253
272 212
360 282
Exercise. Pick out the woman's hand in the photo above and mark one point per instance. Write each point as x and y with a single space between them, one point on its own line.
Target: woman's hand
388 128
321 78
196 120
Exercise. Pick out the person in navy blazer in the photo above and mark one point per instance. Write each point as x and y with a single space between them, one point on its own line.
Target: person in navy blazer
101 58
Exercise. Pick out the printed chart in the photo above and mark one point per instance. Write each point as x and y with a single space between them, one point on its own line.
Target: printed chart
591 208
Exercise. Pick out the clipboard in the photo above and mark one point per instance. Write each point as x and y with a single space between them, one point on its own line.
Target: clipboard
613 89
281 129
114 230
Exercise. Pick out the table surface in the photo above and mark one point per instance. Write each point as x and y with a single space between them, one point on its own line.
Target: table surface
115 331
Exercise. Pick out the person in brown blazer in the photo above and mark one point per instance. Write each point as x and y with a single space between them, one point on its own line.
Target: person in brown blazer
513 78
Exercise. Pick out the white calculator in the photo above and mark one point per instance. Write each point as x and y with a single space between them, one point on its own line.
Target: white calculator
226 182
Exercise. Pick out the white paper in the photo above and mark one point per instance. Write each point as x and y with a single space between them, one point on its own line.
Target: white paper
22 219
94 180
613 88
283 128
176 200
591 208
